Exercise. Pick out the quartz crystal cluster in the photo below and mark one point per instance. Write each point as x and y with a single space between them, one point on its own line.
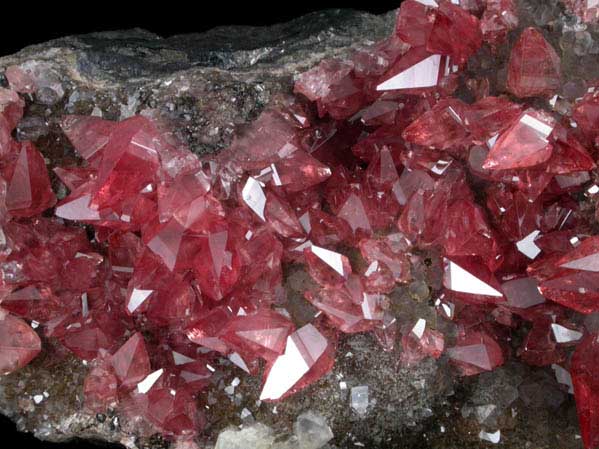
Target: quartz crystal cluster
159 264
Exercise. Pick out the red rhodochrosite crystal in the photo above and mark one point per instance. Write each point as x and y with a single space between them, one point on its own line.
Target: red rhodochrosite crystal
418 342
442 127
534 67
455 33
407 170
475 352
573 278
415 22
331 84
28 191
19 80
524 144
338 305
87 134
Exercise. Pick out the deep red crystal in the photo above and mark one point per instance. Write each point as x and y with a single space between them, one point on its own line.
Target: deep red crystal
534 66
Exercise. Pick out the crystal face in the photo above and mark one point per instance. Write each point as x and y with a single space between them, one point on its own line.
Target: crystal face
20 344
534 66
405 192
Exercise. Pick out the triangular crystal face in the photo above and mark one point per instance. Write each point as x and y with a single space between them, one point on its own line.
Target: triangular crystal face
525 144
472 354
264 337
137 298
330 258
146 385
131 362
586 263
166 243
534 66
87 134
303 350
476 352
354 213
19 189
77 208
423 74
29 191
459 279
254 197
584 257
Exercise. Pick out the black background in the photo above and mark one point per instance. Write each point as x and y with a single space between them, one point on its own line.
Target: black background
26 23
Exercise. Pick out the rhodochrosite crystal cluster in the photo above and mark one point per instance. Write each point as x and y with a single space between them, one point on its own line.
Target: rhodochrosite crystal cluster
158 263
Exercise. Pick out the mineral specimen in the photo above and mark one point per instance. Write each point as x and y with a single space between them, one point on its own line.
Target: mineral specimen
158 265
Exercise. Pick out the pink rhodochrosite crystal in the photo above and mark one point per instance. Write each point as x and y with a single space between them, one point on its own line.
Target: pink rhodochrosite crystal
418 342
307 357
100 387
19 343
131 362
263 335
405 191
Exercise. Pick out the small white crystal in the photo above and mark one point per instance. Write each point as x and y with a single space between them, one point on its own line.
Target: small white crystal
359 399
563 377
238 360
312 431
527 245
257 436
254 196
564 335
494 437
419 328
245 414
181 359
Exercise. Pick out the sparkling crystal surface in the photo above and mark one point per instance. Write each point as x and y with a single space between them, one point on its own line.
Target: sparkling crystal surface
436 189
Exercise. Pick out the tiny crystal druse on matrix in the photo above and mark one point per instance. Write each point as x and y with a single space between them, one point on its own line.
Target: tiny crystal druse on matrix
157 263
